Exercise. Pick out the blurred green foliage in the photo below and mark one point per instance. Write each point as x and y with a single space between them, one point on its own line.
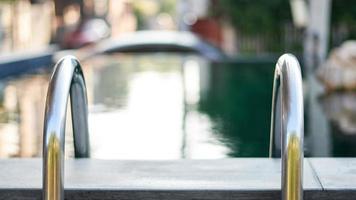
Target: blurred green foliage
164 6
267 18
344 11
258 16
139 17
168 6
344 14
262 23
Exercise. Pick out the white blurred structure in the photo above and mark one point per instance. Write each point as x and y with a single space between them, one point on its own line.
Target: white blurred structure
299 13
315 50
339 71
317 32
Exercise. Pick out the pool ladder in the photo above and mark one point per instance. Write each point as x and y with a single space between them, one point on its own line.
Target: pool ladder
67 80
287 121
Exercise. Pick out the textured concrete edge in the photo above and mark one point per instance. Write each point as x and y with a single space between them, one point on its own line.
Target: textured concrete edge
108 193
177 195
174 195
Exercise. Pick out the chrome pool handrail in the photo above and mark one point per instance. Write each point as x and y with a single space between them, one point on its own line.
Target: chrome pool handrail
67 79
287 119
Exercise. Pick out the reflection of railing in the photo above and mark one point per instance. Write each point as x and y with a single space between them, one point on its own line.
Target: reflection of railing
287 120
67 79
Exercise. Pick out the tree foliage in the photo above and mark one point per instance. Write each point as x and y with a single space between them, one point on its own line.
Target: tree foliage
343 11
344 14
257 16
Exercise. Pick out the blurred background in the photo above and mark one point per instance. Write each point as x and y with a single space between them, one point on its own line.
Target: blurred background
179 79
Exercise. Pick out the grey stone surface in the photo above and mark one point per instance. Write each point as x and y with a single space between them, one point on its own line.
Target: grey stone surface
242 178
226 174
335 173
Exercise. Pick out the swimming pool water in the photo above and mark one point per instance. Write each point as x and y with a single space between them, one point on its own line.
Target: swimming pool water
172 106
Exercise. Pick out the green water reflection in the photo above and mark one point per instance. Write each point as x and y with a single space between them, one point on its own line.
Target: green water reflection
240 100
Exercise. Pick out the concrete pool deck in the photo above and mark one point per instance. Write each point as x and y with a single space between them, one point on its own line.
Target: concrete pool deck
238 178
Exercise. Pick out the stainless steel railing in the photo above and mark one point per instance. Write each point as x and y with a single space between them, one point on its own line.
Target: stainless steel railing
287 120
67 79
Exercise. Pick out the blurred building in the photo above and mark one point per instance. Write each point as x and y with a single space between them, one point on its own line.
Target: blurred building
198 16
121 17
29 24
24 25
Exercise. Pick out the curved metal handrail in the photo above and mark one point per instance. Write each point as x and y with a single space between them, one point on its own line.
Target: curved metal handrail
66 79
287 119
